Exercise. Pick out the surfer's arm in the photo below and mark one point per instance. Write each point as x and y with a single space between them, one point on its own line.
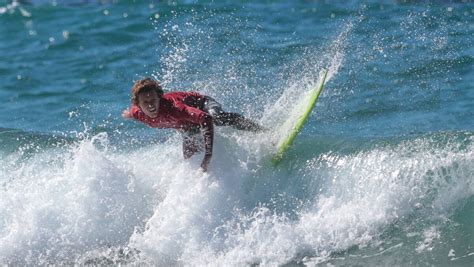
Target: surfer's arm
207 130
205 123
132 113
126 114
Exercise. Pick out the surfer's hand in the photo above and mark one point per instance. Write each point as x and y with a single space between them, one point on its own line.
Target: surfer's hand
204 165
205 162
126 114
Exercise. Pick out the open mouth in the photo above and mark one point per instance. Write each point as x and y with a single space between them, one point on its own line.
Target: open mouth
151 109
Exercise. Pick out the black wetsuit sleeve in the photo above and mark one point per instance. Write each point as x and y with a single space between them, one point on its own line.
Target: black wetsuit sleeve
207 130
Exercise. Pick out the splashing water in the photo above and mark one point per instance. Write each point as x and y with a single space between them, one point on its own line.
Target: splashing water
370 178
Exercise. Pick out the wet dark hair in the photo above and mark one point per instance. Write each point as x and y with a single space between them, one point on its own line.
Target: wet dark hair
144 86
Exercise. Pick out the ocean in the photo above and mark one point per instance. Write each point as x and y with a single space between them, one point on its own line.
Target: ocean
382 174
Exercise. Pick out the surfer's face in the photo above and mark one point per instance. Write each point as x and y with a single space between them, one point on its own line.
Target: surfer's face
149 103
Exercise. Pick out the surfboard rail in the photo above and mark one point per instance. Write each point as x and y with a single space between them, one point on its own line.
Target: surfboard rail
283 146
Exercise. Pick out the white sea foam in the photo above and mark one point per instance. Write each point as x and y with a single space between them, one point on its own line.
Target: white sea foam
69 204
201 222
77 203
60 203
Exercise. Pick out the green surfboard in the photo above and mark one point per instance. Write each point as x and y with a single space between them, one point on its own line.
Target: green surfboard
286 142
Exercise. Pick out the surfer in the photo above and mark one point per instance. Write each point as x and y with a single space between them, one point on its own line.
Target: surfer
190 113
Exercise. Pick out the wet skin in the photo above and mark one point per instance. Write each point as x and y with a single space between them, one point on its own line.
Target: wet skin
149 103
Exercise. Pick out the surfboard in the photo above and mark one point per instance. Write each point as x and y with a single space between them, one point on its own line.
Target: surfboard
288 139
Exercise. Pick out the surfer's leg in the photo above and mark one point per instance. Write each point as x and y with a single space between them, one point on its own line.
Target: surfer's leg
236 120
190 144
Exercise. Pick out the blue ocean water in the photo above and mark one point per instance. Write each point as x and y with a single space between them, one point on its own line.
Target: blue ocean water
382 173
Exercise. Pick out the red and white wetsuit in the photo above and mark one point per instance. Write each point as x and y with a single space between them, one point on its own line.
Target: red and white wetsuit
181 111
177 110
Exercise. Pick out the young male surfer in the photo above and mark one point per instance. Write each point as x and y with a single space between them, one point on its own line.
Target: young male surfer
190 113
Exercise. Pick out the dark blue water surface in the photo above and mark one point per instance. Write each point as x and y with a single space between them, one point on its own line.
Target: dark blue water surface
381 174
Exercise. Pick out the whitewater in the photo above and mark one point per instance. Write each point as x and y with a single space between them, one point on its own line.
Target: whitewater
382 173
